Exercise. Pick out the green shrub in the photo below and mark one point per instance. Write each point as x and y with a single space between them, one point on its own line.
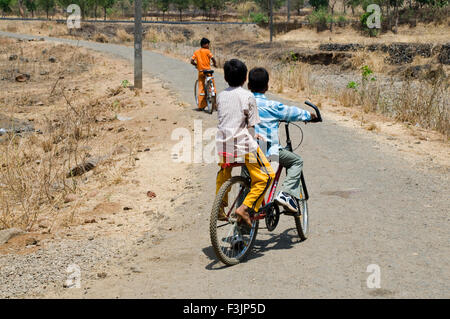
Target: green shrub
319 18
352 85
258 17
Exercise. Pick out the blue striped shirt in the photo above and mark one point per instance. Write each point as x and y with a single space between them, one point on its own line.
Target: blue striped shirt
270 113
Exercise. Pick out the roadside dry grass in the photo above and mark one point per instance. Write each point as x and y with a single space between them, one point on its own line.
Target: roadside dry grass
76 117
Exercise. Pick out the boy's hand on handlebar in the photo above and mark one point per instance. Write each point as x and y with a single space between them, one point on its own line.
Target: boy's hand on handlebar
313 117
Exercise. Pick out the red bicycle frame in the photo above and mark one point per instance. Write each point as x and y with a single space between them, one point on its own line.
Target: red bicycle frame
273 189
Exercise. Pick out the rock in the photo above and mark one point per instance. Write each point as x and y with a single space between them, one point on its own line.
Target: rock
102 275
70 198
444 55
52 60
82 168
43 73
90 221
120 130
120 150
124 118
151 194
147 150
13 57
92 193
31 241
9 233
135 269
340 47
22 77
127 208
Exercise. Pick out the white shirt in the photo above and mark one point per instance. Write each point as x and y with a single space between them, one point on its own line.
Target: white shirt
237 111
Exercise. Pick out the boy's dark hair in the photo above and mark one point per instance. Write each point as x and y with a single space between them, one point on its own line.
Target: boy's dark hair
258 80
204 41
235 72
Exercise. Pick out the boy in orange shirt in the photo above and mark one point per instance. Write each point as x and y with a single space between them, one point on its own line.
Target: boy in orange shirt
202 61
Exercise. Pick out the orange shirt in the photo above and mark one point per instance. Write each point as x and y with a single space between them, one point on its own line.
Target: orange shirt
203 57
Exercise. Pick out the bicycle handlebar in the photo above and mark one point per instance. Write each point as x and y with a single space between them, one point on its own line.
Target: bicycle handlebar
316 109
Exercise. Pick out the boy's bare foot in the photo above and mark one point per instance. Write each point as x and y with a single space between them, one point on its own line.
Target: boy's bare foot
242 212
222 215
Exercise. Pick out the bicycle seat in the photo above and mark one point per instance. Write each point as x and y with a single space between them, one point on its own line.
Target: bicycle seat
208 72
231 160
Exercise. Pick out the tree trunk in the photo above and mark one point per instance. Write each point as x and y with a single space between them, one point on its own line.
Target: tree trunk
104 13
396 20
20 3
389 17
181 15
288 11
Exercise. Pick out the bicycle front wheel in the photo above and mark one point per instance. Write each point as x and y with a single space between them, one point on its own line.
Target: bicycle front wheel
232 242
196 93
302 217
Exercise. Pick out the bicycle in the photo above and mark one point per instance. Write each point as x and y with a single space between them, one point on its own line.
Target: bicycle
234 243
209 91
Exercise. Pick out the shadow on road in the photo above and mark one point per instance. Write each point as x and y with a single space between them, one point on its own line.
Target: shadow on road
281 241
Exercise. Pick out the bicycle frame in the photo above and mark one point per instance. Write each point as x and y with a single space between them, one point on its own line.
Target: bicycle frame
276 180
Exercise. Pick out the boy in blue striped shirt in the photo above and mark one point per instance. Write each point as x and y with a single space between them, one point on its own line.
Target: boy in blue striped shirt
270 113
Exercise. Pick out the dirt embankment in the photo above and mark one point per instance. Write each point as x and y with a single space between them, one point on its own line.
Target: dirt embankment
97 161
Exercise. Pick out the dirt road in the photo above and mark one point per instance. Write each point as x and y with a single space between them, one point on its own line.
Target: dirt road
370 204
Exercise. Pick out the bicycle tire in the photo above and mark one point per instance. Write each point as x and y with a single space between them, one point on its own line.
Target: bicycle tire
209 97
302 218
214 218
196 93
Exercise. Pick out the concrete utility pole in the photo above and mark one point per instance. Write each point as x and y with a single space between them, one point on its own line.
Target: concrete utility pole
138 44
271 20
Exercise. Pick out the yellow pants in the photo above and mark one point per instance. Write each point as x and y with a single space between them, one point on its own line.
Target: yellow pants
201 90
261 174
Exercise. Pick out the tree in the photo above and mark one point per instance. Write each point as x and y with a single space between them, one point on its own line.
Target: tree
46 5
181 5
5 6
298 5
31 6
106 4
203 5
354 4
265 5
164 6
317 4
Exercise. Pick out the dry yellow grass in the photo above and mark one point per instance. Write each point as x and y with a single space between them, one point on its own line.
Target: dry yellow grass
34 168
124 36
423 33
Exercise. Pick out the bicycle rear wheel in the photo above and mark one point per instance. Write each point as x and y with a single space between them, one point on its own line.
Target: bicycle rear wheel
302 217
231 241
209 98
